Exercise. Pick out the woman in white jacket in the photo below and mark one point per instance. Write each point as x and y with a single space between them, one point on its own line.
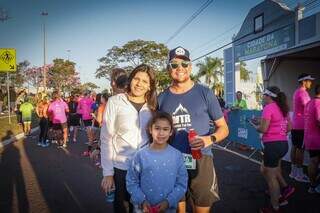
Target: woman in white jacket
124 132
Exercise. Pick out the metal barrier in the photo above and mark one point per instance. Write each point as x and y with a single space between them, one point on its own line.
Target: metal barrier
241 131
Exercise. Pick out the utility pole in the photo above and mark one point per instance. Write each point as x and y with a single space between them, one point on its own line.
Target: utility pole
44 14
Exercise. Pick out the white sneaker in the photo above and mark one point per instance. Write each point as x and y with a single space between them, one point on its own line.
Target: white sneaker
303 178
317 189
293 175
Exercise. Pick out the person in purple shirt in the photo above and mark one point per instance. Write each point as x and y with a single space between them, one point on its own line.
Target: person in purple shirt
57 111
274 125
300 99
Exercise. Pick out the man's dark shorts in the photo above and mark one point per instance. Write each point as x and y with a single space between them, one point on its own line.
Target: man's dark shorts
203 183
297 137
273 152
87 122
59 126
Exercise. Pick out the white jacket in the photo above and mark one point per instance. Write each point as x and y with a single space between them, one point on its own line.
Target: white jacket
123 133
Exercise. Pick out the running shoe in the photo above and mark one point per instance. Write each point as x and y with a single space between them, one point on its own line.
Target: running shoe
39 143
86 153
269 209
74 140
45 144
302 178
287 192
64 145
283 201
292 175
312 190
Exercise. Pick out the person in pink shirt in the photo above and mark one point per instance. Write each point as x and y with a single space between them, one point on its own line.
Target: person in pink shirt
57 111
84 107
300 99
275 125
312 138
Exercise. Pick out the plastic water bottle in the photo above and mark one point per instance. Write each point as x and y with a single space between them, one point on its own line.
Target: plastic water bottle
110 196
196 154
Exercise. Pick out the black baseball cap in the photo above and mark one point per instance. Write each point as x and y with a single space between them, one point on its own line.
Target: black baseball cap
179 52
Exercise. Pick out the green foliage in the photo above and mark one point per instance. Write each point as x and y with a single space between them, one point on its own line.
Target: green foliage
89 86
131 55
17 78
211 69
163 79
244 73
63 76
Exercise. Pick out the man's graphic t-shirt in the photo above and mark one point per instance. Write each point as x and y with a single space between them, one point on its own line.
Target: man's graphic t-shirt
193 109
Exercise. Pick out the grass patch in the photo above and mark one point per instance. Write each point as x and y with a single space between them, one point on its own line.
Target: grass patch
9 130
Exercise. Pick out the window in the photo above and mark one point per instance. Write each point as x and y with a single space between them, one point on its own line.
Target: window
258 23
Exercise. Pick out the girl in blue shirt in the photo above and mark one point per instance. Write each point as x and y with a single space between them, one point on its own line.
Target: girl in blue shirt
157 178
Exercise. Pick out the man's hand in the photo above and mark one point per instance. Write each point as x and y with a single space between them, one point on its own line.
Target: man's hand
163 206
107 183
197 143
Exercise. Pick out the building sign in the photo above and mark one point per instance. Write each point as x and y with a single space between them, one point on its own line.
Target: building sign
270 43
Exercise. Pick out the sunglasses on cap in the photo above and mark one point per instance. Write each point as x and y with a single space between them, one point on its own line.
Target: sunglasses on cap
175 65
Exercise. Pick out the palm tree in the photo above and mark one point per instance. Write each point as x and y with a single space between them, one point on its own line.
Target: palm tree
211 69
244 73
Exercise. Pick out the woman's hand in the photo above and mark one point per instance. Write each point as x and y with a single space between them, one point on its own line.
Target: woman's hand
107 183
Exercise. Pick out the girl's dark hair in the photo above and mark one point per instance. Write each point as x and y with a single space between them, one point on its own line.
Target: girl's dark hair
159 115
281 100
151 95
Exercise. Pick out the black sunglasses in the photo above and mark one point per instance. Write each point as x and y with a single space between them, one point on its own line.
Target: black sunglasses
175 65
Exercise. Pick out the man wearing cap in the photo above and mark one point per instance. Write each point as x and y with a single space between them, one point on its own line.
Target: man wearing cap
193 106
300 99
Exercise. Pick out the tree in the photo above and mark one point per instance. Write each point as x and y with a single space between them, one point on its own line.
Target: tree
211 69
131 55
17 78
89 86
244 73
63 76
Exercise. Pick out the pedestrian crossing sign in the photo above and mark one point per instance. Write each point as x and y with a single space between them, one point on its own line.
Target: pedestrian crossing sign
8 60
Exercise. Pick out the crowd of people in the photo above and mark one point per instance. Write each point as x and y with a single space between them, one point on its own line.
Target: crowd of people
141 138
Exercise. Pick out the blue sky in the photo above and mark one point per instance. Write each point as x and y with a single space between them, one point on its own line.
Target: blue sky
89 28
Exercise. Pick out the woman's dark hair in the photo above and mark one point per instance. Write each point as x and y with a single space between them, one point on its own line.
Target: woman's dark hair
159 115
151 95
317 89
98 98
281 100
56 94
105 96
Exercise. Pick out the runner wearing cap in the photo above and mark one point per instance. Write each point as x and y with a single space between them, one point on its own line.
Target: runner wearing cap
312 138
300 99
193 106
275 125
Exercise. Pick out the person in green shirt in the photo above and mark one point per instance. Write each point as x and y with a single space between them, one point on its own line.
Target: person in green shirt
26 110
240 103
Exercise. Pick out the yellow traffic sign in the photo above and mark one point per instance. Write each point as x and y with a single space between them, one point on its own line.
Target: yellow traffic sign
8 60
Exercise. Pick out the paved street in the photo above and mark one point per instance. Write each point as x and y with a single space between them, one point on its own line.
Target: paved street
34 179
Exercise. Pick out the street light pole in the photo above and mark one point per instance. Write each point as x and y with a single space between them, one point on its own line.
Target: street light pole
68 54
44 51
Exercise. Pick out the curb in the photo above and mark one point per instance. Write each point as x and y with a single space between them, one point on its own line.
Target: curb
16 137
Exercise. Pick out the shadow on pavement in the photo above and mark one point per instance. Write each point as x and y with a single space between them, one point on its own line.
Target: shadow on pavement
12 183
67 181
